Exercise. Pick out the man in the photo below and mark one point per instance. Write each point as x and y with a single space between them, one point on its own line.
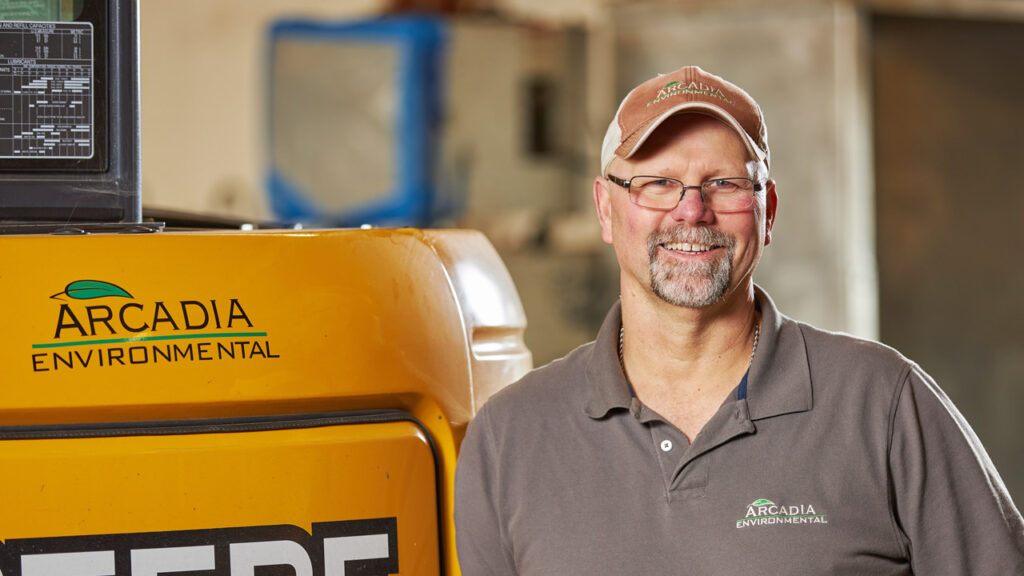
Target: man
703 432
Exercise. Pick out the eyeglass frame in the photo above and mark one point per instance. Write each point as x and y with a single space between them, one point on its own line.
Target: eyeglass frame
757 187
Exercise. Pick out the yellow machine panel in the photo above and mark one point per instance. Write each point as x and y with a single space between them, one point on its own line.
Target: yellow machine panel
177 402
310 487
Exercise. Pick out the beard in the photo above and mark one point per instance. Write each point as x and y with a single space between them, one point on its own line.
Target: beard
696 284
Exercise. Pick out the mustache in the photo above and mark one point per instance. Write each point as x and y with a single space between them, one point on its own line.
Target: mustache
692 234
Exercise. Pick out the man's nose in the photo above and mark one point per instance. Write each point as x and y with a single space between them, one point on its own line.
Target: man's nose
691 207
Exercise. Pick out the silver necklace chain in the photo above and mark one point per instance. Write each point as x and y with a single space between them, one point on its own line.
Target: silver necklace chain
753 350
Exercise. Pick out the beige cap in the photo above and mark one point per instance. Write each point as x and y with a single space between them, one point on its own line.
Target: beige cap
688 89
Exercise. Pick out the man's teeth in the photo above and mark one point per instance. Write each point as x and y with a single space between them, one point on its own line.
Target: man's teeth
688 247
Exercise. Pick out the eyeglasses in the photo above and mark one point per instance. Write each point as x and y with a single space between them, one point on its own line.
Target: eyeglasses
661 193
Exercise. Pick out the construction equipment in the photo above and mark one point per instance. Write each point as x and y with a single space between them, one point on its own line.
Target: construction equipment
221 402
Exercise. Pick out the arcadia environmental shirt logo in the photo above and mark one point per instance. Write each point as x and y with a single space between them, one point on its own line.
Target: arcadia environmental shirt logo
100 324
763 512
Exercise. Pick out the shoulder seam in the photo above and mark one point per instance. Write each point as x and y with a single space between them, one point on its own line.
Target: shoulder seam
904 377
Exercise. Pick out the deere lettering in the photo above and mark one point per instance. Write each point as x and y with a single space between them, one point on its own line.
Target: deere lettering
93 330
333 549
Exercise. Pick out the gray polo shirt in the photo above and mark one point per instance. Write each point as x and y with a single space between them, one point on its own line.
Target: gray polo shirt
839 457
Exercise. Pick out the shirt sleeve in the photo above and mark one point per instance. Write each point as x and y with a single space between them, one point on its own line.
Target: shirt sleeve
479 528
951 507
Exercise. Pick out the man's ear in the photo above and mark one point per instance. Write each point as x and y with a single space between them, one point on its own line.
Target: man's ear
603 204
771 205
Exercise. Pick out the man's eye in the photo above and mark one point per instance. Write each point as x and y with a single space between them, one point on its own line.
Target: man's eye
659 185
721 185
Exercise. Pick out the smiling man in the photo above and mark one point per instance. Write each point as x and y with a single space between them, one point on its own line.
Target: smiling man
704 432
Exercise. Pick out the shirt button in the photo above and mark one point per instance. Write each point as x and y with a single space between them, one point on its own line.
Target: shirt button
666 445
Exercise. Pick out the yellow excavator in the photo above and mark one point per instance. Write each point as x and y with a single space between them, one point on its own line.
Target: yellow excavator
222 402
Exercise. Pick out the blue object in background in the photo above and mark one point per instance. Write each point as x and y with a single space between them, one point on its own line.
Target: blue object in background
411 198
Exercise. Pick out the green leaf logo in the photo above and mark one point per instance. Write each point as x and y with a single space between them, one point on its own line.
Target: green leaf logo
671 83
89 289
763 502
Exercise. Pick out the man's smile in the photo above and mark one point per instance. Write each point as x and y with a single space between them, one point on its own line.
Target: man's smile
688 247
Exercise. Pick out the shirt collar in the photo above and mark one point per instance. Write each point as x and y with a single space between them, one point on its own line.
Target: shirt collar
779 378
607 386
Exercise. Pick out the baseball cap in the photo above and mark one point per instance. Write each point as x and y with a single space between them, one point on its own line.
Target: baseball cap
689 89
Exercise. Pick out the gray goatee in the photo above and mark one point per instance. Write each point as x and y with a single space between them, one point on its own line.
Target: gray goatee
692 285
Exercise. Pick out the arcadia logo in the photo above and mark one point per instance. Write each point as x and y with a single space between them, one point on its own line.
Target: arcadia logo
89 289
100 324
678 89
764 512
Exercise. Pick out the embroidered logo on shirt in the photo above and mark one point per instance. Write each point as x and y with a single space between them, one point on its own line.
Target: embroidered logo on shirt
764 512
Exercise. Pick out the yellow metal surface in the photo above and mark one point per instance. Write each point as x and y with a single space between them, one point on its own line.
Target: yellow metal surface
241 481
170 326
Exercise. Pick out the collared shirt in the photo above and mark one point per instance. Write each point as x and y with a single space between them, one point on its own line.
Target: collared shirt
843 458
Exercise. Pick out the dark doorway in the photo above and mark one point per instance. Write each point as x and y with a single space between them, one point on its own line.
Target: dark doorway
949 145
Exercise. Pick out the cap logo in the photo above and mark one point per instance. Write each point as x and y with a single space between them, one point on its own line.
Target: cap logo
678 88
